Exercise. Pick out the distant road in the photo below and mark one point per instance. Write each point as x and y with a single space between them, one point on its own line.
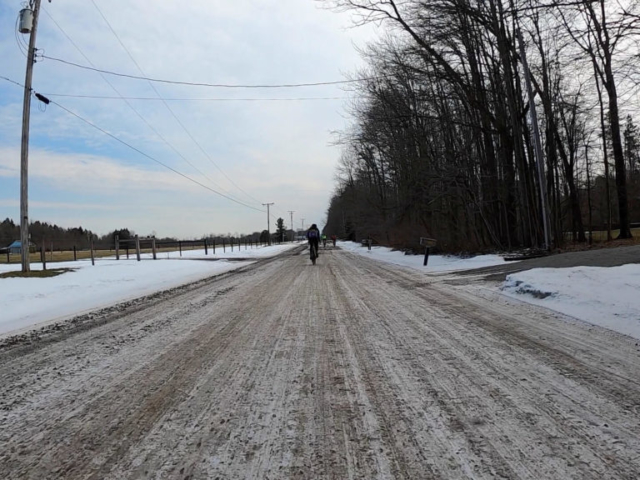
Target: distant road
349 369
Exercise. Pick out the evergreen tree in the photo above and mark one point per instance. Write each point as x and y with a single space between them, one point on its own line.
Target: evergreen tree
281 232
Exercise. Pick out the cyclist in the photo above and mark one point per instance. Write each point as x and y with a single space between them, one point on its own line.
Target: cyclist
324 240
313 236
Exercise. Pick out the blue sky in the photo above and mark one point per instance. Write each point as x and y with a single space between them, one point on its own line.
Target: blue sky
272 151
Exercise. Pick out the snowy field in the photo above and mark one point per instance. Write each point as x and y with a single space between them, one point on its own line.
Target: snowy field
29 302
607 297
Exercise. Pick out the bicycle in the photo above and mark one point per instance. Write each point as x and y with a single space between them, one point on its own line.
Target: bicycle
313 251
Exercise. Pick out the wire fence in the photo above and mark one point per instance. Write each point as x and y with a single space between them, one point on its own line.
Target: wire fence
131 248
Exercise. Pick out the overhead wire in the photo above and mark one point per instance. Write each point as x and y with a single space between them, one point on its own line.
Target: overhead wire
119 140
12 81
88 122
195 99
186 130
204 84
138 114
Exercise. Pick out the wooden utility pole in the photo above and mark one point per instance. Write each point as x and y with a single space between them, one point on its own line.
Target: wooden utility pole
293 234
24 154
268 222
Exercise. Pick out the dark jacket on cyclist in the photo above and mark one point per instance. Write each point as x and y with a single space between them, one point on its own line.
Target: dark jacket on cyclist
313 236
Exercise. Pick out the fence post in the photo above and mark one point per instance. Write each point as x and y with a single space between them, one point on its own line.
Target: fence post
137 247
206 250
117 247
93 258
214 246
180 247
51 258
43 254
153 248
8 256
224 246
75 254
426 256
231 242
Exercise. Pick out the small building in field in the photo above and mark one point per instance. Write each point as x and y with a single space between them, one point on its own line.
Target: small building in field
16 247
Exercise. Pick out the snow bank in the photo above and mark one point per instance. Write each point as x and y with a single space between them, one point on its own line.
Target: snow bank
437 263
29 302
607 297
256 252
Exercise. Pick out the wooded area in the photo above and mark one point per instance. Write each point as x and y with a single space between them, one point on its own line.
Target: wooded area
442 145
80 238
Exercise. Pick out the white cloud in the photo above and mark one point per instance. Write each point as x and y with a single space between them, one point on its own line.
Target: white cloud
274 151
59 205
82 173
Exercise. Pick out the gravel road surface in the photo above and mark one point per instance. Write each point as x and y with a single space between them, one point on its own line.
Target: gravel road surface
347 370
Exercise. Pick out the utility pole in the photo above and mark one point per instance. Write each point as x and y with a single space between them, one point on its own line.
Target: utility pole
268 222
30 27
537 144
293 233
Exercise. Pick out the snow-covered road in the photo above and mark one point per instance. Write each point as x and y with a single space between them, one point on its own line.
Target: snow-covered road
349 369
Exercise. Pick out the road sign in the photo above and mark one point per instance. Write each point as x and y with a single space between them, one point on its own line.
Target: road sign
428 242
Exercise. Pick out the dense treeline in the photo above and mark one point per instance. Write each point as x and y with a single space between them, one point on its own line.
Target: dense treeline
45 234
80 238
442 144
62 238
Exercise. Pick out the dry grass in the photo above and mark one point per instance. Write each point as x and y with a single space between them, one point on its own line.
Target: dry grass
600 241
601 236
67 256
37 273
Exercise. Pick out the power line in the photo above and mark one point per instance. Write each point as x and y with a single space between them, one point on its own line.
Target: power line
168 107
202 84
13 81
88 122
138 114
193 99
91 124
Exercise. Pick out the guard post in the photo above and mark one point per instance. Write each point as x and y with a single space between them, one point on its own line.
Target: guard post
137 248
427 243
